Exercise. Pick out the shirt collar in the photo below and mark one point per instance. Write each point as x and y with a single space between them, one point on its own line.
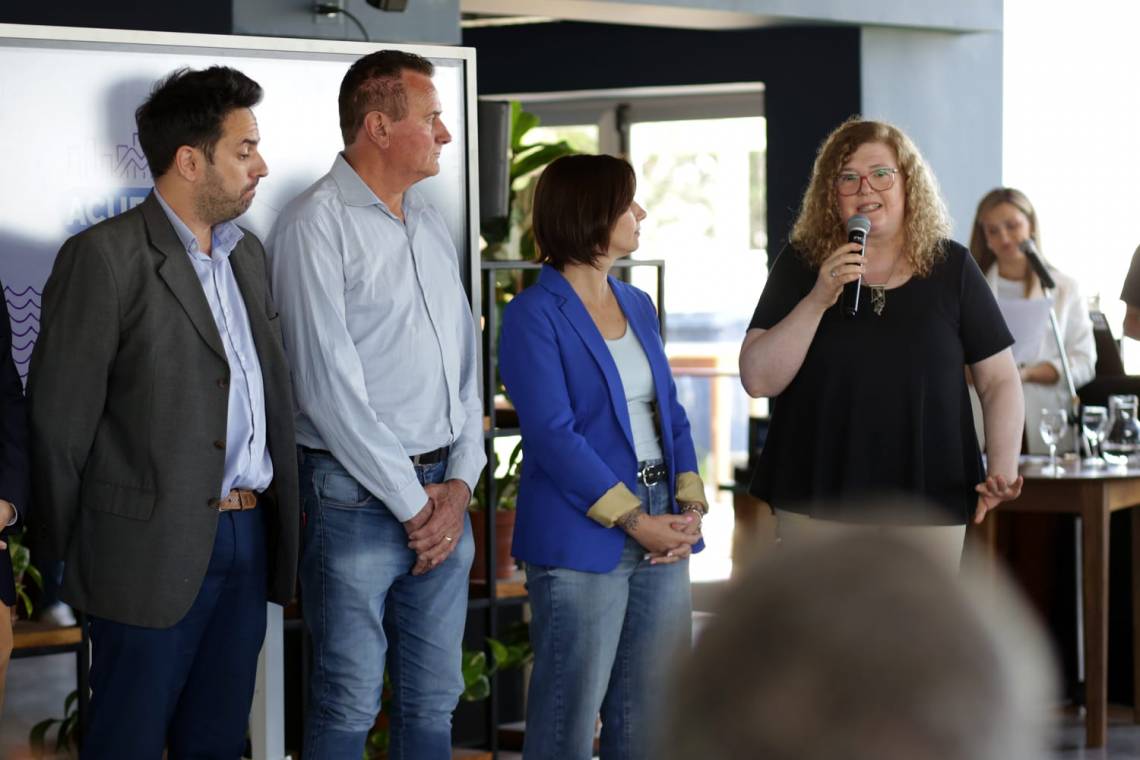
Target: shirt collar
355 192
226 235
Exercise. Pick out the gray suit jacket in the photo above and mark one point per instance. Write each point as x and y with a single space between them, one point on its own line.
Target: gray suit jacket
127 393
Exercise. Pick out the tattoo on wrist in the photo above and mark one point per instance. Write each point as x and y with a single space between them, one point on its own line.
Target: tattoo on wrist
628 522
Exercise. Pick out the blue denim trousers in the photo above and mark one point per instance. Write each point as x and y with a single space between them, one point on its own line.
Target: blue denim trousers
364 609
186 688
604 642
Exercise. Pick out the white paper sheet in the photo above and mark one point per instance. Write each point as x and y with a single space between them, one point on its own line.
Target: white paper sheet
1028 320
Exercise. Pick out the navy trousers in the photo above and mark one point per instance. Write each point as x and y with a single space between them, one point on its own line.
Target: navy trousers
187 688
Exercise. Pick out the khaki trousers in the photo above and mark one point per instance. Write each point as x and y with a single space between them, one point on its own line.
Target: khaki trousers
942 542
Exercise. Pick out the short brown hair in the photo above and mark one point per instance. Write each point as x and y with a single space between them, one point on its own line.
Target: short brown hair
819 230
577 202
373 84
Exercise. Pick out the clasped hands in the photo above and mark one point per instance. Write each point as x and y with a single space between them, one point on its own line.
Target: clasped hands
435 530
665 538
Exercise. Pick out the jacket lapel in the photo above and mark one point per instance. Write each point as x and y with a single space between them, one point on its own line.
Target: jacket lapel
252 289
178 273
579 319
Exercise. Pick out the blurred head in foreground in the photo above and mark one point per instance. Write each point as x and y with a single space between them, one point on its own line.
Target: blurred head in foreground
865 649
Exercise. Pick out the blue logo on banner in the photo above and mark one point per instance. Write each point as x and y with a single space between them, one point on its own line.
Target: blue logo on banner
128 163
84 211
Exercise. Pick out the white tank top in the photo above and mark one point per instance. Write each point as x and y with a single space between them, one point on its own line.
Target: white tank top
640 395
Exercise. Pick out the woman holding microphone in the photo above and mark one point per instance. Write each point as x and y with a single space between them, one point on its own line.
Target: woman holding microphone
610 502
874 405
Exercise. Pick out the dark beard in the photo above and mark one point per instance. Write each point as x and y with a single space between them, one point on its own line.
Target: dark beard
213 205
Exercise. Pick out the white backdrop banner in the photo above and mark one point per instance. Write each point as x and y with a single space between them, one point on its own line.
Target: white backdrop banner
71 155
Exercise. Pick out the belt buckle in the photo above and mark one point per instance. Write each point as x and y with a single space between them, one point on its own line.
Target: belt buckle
643 475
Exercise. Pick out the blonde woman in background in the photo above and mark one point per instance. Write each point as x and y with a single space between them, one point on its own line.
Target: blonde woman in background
1004 220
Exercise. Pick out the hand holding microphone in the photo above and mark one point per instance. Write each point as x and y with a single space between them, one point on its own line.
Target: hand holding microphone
844 268
858 227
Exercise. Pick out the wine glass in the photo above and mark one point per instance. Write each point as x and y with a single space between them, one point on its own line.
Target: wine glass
1053 424
1094 424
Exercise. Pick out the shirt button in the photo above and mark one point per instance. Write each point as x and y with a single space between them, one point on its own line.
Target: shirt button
219 444
223 383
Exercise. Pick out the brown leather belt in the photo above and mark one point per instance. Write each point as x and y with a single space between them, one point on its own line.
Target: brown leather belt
237 500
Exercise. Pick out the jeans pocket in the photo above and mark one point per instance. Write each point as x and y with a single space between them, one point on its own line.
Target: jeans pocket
339 489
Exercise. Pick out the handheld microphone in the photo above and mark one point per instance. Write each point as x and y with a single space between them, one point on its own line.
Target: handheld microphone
858 227
1030 250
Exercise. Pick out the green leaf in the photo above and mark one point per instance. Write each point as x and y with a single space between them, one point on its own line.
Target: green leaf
69 702
474 666
37 735
480 689
25 601
34 573
521 123
537 159
499 653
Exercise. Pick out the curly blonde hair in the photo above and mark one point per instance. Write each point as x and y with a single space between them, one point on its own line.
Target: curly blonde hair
819 230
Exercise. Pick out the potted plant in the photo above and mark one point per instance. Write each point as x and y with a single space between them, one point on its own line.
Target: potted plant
506 496
65 733
22 568
511 237
511 651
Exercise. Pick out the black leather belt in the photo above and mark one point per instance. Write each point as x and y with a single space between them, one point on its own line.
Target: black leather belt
431 457
428 457
649 474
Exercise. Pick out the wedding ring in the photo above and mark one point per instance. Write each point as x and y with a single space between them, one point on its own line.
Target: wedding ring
447 539
833 273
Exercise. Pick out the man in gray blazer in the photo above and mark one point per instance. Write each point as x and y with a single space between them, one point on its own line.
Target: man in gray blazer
163 453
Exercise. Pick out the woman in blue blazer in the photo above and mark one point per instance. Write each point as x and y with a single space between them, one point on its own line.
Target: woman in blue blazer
610 502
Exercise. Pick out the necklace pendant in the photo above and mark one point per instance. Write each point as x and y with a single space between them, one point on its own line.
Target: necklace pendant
878 299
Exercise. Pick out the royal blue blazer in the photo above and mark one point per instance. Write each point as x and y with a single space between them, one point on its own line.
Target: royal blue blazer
572 408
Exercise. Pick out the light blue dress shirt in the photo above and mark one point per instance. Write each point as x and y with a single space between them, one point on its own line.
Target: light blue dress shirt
380 336
247 457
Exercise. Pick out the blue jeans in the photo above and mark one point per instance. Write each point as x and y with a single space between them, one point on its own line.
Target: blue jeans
363 608
604 641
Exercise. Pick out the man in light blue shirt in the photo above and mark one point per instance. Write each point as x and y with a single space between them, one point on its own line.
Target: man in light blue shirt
389 419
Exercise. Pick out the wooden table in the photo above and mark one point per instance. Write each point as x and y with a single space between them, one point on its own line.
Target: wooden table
1093 495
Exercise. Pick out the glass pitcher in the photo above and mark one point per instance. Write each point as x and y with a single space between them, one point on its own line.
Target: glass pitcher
1123 437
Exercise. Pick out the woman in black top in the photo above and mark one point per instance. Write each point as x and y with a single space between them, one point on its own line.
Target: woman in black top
874 406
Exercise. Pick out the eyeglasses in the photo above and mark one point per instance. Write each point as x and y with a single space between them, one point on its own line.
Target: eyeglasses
848 183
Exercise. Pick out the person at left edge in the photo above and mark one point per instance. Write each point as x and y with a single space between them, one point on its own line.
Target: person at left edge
164 468
13 483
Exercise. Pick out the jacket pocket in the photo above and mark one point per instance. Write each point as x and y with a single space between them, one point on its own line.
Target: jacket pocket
117 499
